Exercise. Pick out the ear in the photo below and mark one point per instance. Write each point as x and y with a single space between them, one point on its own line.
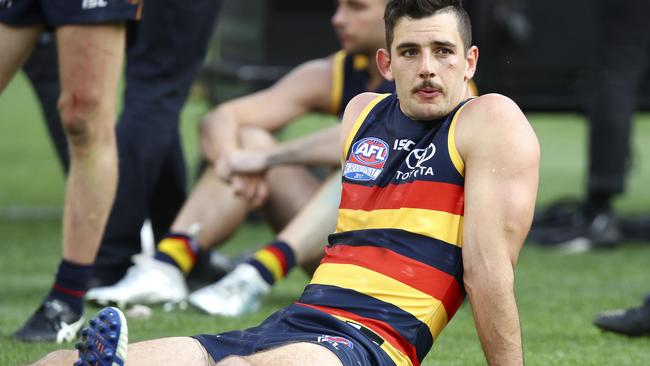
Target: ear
472 60
383 63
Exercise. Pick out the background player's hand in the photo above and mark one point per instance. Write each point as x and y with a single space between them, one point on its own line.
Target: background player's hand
253 188
248 161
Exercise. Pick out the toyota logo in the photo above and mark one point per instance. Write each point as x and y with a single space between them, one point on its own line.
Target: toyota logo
418 156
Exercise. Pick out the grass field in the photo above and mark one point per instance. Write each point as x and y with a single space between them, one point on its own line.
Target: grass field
558 294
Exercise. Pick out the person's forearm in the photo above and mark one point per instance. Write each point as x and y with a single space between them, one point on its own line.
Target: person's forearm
496 316
318 148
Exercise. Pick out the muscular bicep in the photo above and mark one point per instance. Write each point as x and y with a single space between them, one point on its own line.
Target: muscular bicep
501 177
305 89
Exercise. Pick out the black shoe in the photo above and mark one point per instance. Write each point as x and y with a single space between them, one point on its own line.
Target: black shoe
210 267
632 322
636 228
106 272
547 221
54 321
578 229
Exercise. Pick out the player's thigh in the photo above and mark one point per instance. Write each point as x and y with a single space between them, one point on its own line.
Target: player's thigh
171 351
290 189
90 60
16 44
295 354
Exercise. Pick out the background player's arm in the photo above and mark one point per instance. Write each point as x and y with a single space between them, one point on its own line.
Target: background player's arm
306 88
501 156
312 149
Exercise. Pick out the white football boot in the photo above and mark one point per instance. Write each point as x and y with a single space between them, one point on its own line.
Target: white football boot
148 281
238 292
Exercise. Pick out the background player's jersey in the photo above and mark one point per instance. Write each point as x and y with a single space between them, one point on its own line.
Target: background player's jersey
350 77
394 267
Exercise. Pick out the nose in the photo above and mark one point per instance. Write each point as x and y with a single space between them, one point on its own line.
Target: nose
427 66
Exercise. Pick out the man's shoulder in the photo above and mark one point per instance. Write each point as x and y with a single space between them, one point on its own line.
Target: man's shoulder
492 111
492 121
361 103
489 103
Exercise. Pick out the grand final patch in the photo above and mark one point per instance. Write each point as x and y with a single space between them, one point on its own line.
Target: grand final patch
367 159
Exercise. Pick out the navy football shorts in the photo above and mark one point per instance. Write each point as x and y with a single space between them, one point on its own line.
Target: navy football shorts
56 13
297 323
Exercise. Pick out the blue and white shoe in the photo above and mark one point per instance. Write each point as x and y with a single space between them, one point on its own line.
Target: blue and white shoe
104 340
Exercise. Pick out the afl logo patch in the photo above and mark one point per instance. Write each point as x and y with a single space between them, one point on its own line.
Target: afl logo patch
367 159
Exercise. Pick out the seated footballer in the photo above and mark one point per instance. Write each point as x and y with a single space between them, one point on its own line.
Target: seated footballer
438 196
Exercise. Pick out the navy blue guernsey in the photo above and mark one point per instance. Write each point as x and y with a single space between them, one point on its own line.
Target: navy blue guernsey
394 264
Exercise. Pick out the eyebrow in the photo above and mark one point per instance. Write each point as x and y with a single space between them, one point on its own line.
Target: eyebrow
444 44
407 45
415 45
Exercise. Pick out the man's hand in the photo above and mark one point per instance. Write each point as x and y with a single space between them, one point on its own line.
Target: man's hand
250 186
248 161
253 188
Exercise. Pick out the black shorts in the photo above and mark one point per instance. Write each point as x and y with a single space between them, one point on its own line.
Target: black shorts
56 13
297 323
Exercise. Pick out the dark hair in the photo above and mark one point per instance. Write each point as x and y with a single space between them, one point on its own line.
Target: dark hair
418 9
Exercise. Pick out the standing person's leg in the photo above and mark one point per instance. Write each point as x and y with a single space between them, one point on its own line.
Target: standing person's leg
43 72
161 64
616 71
620 61
90 59
619 65
16 43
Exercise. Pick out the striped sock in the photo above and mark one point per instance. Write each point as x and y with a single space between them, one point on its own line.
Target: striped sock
70 284
274 261
179 250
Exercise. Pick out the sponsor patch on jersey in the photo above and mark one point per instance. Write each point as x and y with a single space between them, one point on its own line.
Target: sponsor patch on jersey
417 165
367 159
335 341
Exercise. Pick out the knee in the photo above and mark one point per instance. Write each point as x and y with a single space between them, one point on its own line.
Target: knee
255 137
60 357
79 111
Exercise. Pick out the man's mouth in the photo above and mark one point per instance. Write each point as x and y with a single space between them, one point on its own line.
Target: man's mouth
427 92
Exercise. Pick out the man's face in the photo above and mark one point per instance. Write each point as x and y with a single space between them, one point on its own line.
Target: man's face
428 63
359 25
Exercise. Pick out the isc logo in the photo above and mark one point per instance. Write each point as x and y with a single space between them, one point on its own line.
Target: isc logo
92 4
371 151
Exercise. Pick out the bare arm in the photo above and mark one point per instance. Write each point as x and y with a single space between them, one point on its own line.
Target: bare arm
501 155
306 88
317 148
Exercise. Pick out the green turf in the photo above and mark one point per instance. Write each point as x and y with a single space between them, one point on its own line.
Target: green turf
558 294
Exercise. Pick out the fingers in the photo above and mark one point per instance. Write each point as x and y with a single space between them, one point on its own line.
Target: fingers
250 187
261 194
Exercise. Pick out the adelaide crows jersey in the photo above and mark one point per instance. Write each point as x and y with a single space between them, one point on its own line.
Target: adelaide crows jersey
393 267
350 77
